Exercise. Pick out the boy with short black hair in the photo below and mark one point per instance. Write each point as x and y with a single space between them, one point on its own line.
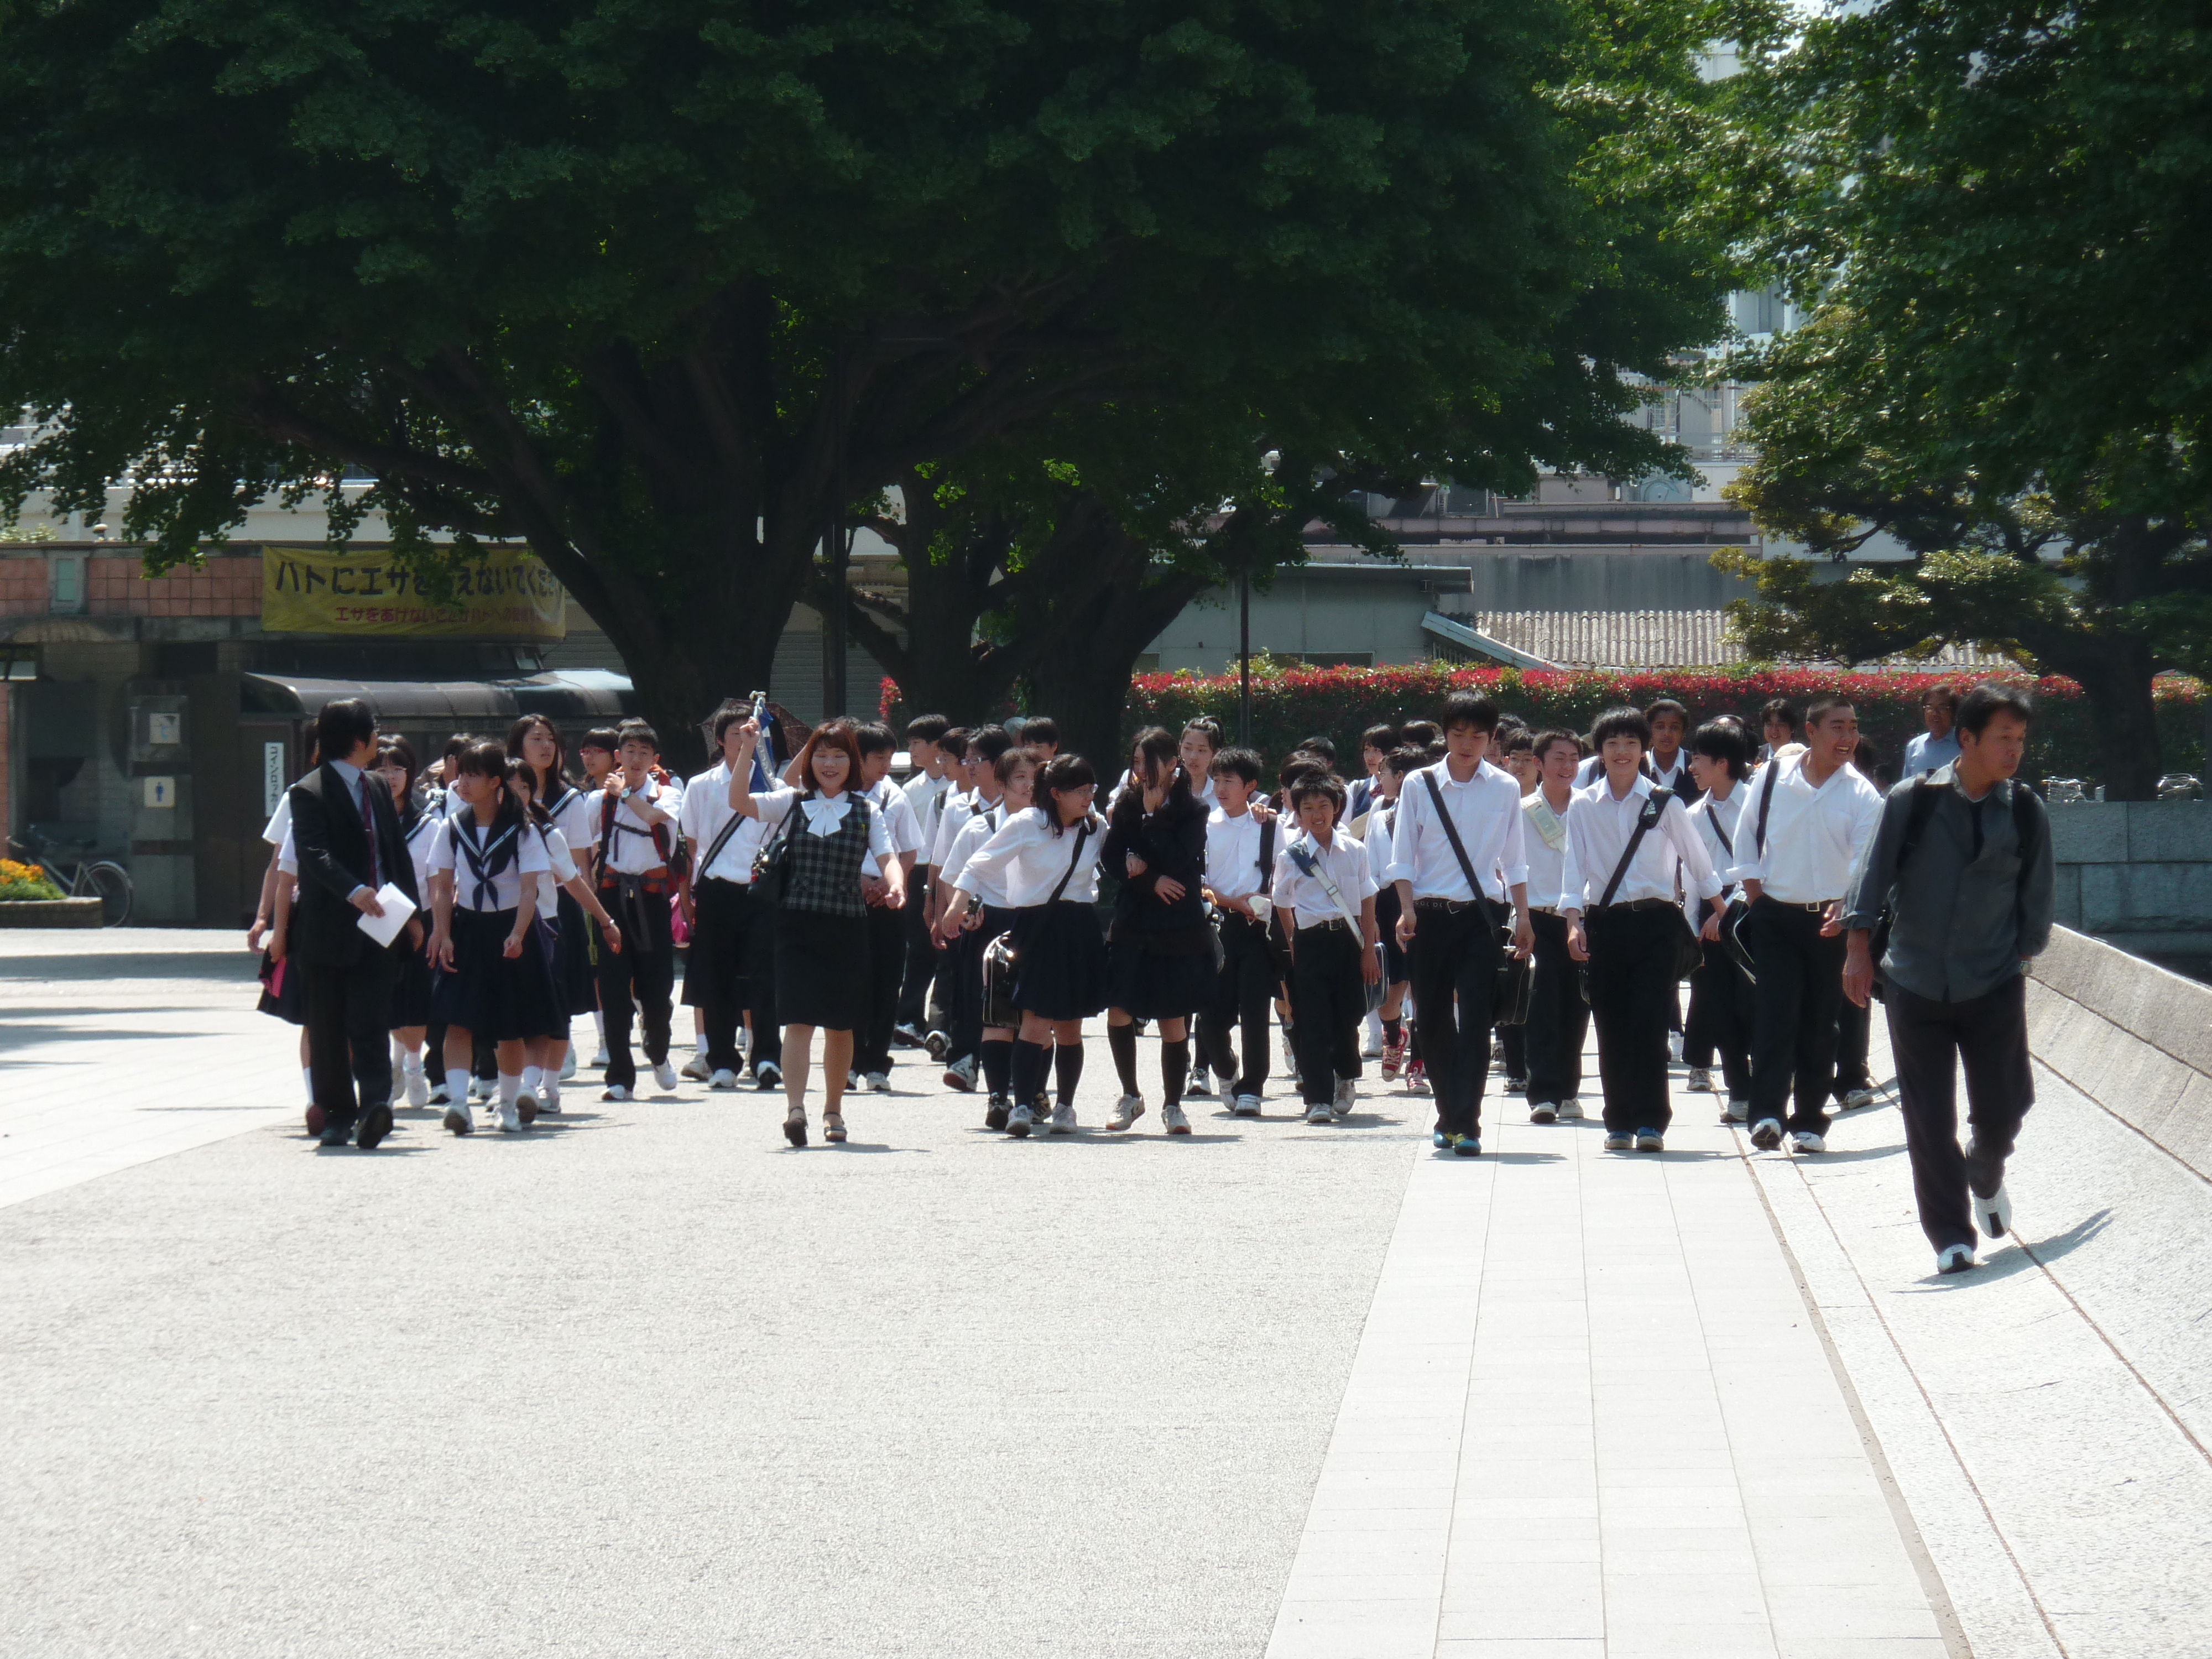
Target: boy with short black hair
595 753
924 792
1240 876
1559 1018
639 838
1042 733
1322 878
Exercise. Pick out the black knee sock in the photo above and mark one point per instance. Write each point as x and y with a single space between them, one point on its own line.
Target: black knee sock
1393 1029
1027 1071
1067 1070
1122 1041
1175 1067
997 1054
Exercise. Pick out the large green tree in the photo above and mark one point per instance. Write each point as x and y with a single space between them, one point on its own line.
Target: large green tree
663 286
1997 215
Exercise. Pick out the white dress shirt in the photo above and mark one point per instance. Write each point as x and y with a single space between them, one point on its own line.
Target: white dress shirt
823 814
957 807
1377 834
1598 831
280 821
1343 859
926 795
1232 853
1486 809
1548 859
561 866
1034 859
1814 834
900 830
706 812
504 890
987 885
630 851
576 816
1715 821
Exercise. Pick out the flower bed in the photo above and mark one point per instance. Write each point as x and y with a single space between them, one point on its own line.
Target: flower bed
22 883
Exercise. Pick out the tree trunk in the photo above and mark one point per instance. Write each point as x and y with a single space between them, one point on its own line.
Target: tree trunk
1085 684
2115 673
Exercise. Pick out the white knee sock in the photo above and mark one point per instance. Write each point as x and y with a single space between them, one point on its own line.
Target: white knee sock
510 1085
599 1022
699 1045
549 1090
457 1086
530 1075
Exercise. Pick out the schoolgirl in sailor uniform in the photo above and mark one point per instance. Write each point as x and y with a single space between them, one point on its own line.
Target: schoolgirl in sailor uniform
410 995
562 885
968 937
1050 857
1159 951
491 973
535 742
824 831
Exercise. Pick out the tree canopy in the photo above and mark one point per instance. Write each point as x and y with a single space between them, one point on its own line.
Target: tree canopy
664 287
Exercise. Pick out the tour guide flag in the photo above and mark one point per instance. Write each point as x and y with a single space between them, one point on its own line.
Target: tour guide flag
507 594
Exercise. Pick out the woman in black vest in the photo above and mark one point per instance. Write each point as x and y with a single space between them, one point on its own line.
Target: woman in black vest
1159 951
819 834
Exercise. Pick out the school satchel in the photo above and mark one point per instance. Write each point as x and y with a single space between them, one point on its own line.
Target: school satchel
1002 963
1515 982
1689 950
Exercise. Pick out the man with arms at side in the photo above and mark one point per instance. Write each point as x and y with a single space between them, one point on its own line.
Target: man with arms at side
1962 864
347 837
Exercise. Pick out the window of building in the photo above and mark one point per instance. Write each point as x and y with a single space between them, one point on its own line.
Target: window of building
66 584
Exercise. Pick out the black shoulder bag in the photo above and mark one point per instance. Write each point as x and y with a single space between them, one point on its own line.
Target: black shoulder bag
1689 950
1002 963
774 858
1517 975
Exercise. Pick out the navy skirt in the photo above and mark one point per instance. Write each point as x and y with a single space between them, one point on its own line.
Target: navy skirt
496 998
575 975
1155 984
1059 966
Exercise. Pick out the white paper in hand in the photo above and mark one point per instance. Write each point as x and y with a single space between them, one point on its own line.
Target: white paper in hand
397 907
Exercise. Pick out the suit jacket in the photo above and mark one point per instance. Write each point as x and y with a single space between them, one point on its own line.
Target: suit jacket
332 846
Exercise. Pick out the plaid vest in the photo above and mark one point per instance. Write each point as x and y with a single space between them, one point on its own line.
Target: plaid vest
823 873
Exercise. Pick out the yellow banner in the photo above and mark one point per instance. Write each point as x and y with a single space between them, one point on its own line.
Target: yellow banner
508 594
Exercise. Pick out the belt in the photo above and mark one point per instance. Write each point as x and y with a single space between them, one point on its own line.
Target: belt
1338 922
654 880
1543 909
1639 904
1799 904
1450 907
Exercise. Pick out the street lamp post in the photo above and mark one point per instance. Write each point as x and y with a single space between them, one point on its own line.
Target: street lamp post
1244 658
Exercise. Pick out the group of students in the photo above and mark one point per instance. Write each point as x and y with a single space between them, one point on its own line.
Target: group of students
1505 888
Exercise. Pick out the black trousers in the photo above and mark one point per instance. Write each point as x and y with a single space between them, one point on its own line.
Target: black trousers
1454 978
922 951
1631 981
1559 1018
1513 1040
349 1041
1801 982
733 963
1720 1020
1930 1042
637 981
1852 1023
887 952
1241 993
1332 1000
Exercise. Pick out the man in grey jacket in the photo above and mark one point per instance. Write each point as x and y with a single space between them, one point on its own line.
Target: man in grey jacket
1961 863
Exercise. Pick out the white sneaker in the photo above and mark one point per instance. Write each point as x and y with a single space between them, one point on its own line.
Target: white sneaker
568 1065
1127 1111
1246 1106
1993 1214
1063 1119
1320 1112
1675 1046
694 1068
960 1074
418 1088
510 1119
1700 1081
1766 1134
479 1090
459 1118
599 1059
1020 1122
1544 1111
723 1080
1347 1096
879 1082
549 1098
1371 1046
1172 1122
1738 1108
1201 1084
1954 1259
1572 1108
1804 1141
665 1075
852 1083
614 1091
1856 1098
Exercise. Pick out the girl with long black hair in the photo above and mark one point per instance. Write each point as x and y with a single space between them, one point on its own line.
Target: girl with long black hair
491 972
1159 955
561 889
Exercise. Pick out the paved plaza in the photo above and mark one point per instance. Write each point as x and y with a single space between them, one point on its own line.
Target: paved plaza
645 1381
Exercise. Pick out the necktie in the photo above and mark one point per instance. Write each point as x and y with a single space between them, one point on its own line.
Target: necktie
368 823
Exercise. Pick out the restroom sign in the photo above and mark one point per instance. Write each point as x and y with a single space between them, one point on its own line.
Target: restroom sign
159 793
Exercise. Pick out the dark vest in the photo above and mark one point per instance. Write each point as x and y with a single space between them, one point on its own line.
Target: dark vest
822 873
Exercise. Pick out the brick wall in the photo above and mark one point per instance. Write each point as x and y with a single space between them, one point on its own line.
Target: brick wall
116 585
22 586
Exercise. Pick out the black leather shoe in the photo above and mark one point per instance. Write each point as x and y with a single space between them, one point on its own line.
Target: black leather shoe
336 1135
375 1124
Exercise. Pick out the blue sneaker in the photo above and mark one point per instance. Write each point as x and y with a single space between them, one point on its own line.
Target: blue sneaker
1468 1146
1650 1141
1441 1141
1616 1142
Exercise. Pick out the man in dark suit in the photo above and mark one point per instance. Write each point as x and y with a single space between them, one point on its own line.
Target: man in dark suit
346 835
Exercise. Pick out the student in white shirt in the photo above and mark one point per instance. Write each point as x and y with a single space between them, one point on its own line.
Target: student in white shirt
1720 1019
1449 900
1240 876
1803 822
1322 878
1050 855
969 937
1200 742
1377 832
1559 1018
1622 921
887 927
536 743
924 795
561 887
964 982
729 975
636 831
492 974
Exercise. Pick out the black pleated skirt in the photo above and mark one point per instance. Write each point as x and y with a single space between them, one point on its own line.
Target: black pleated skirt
1061 961
575 979
495 997
1152 984
411 990
821 969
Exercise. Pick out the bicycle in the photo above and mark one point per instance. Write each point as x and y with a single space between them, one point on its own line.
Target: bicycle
100 878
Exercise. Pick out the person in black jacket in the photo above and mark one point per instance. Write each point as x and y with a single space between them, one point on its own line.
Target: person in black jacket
348 839
1159 946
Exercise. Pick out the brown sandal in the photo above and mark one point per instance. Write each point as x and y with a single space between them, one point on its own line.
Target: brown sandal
832 1125
795 1126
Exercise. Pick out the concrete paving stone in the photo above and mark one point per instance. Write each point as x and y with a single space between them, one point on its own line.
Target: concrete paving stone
1545 1648
1864 1647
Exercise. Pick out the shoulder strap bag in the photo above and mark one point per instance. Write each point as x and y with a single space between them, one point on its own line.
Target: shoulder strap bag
1303 857
774 858
1517 975
1689 949
1002 963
